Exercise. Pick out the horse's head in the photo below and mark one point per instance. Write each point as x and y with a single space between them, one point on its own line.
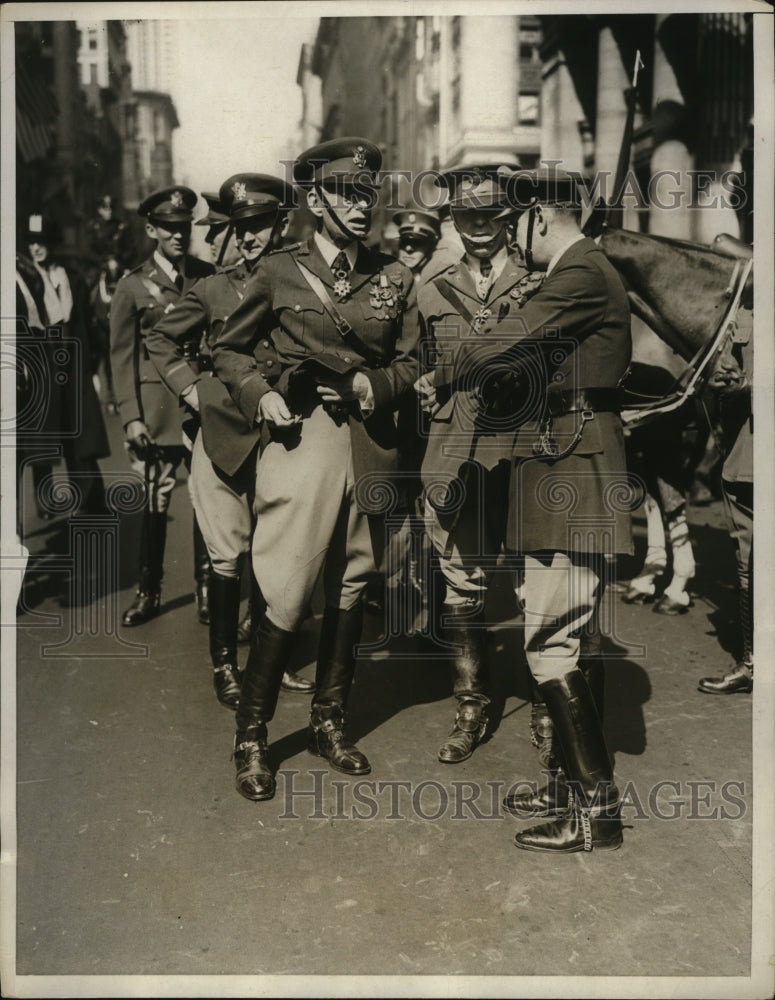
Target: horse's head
681 290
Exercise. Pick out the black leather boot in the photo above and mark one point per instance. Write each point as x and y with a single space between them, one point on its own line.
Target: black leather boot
153 539
737 681
255 779
224 612
326 738
202 571
554 798
464 627
593 822
270 647
339 634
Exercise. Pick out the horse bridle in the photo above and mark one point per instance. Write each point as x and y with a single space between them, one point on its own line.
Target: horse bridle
633 417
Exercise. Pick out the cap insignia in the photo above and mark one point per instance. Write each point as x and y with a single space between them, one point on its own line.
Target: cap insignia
176 198
359 157
412 217
240 191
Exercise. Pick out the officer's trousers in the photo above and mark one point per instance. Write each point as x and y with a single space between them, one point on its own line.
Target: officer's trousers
559 592
224 509
307 521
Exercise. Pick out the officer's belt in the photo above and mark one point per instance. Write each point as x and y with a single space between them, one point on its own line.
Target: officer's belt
598 399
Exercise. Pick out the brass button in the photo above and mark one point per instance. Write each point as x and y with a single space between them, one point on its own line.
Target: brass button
297 308
269 364
347 359
265 343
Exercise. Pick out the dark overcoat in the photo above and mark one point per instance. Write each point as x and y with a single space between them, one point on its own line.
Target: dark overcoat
575 333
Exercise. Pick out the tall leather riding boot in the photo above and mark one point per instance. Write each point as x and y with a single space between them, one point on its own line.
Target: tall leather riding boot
224 613
554 798
270 648
470 675
202 572
340 632
153 539
593 821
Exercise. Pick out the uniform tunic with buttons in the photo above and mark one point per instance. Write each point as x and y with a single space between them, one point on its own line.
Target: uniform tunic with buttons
466 464
318 482
141 298
228 436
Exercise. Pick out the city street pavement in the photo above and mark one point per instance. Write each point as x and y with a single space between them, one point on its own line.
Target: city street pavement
136 855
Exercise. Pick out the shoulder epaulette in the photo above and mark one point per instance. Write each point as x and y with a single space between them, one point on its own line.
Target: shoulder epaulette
291 246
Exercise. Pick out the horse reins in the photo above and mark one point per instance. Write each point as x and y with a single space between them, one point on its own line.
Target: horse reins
632 417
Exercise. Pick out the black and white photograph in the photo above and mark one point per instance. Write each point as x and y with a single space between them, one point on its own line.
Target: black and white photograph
377 483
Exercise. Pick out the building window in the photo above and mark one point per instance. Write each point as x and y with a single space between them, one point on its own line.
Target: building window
529 109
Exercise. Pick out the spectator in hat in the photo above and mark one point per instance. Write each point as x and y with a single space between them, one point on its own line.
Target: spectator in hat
152 419
335 311
223 462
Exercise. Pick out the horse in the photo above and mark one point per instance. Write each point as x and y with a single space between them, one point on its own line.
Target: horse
688 295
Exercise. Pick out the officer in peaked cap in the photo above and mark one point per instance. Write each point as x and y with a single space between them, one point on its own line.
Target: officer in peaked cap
468 300
223 463
578 325
217 222
153 422
335 310
418 233
526 189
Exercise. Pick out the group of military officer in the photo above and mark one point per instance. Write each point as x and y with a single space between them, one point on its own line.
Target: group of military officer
511 351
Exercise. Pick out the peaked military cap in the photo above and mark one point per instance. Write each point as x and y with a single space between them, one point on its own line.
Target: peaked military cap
246 195
351 159
172 204
477 185
216 216
417 222
544 185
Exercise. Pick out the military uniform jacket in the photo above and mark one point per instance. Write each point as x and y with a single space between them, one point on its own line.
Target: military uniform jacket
141 298
279 304
456 433
228 437
575 333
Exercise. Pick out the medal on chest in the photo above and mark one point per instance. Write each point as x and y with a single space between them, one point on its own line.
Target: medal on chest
481 317
383 298
342 286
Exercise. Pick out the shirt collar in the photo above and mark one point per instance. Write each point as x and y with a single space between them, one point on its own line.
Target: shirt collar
170 269
561 251
498 262
330 250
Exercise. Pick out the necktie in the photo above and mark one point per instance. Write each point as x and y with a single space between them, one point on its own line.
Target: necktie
483 279
341 269
178 281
